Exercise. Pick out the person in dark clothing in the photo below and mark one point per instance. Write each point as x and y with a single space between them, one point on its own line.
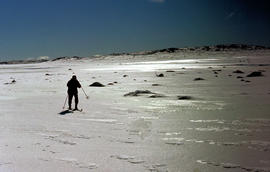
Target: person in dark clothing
72 85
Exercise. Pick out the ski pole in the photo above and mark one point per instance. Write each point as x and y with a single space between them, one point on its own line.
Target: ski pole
65 102
85 93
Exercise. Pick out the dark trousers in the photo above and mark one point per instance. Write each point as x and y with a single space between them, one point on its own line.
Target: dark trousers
70 96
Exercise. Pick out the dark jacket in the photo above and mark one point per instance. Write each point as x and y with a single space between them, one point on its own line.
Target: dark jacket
72 85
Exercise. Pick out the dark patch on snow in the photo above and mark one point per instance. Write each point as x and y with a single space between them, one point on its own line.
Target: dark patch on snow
65 112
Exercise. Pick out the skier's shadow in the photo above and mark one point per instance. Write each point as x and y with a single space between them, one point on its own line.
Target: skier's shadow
65 112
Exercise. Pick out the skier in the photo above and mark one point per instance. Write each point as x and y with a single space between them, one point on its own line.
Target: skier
72 85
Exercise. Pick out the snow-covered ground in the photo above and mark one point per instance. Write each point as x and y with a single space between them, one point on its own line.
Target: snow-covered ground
223 126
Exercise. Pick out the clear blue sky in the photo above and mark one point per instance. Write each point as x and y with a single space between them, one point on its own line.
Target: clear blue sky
33 28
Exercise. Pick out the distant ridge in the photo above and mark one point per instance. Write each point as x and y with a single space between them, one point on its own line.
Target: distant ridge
23 61
40 60
67 58
219 47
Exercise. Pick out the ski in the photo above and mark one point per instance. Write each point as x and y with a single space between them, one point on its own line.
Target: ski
80 110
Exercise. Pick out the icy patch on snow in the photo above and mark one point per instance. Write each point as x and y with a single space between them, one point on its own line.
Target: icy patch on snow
149 66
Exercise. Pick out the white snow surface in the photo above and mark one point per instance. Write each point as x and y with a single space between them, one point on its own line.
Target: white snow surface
225 126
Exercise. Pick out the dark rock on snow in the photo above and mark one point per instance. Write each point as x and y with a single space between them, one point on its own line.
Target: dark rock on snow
96 84
198 79
255 74
157 96
184 97
238 71
142 92
12 82
160 75
139 92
